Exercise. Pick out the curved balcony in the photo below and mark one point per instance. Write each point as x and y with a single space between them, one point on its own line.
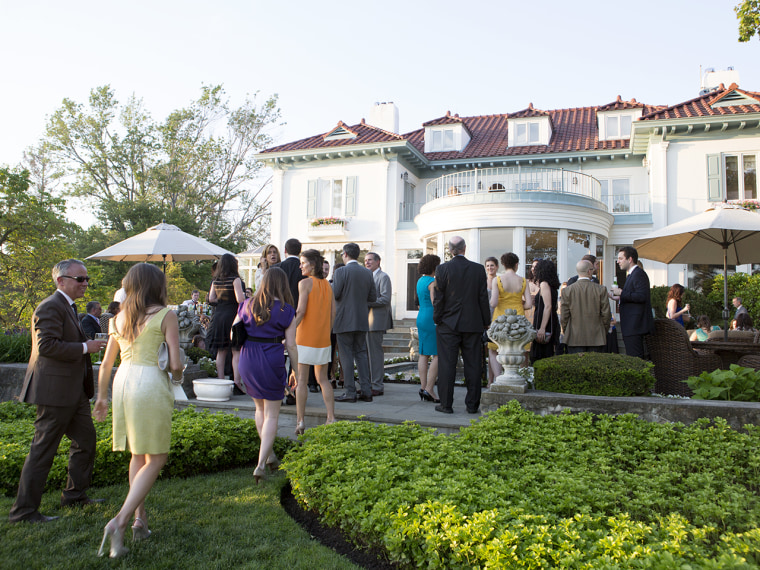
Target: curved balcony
517 179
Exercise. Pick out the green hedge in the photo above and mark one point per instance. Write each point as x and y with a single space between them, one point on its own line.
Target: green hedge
201 443
594 374
15 347
516 490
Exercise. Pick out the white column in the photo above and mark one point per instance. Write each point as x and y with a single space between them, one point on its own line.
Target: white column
473 245
562 254
518 247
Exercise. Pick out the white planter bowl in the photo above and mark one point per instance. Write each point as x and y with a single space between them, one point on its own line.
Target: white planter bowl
213 389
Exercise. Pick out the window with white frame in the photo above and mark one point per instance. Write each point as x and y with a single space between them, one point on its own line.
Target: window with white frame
732 176
616 125
331 197
528 133
616 193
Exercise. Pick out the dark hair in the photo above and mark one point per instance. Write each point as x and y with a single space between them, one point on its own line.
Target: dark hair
589 257
91 305
263 260
428 263
743 322
630 252
493 259
145 286
316 259
197 340
509 260
274 285
351 250
228 267
676 292
547 271
292 246
374 255
703 322
113 307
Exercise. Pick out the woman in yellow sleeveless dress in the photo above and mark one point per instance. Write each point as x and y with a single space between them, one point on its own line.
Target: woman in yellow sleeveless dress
509 293
143 398
314 317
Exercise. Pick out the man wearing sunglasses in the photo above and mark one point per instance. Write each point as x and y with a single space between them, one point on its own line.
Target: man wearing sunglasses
59 381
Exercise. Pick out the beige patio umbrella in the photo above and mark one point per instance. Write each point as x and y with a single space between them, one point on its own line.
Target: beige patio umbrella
162 242
721 234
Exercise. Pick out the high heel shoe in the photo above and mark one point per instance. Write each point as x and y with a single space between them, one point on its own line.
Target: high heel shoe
259 474
273 463
427 396
422 395
140 530
111 532
300 428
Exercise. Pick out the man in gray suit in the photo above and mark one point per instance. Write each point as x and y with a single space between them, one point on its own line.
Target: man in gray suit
585 312
354 289
380 320
59 381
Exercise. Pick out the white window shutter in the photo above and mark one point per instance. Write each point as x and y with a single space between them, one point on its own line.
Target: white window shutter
351 195
714 178
311 199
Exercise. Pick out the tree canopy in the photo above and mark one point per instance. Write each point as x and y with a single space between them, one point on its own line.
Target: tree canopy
748 13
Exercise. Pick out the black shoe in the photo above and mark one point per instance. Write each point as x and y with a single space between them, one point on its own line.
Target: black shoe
290 400
345 398
473 410
36 517
428 397
313 388
378 392
443 409
364 398
80 502
237 391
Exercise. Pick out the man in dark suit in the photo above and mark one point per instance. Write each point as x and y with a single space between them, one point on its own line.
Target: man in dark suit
380 320
59 381
354 288
585 313
636 319
594 262
291 265
461 313
91 320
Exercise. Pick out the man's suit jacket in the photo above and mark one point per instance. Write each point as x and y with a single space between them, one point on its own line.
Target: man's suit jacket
58 370
90 326
354 289
461 297
380 313
292 268
574 278
636 305
585 314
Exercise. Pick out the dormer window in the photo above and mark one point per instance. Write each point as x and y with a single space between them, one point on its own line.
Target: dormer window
443 140
446 137
616 125
533 130
528 133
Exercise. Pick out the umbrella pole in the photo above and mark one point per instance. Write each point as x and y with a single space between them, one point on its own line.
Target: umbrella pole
164 255
725 292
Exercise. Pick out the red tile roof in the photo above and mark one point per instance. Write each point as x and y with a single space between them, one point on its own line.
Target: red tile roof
573 130
701 106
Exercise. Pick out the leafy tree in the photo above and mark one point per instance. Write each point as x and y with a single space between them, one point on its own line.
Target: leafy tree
33 238
748 14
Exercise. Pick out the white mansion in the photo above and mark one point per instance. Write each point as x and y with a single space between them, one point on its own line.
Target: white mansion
542 183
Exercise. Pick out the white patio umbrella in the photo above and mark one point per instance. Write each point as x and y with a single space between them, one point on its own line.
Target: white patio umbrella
162 242
722 234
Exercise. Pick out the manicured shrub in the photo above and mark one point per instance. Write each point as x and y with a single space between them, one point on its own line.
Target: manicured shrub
517 490
738 384
195 354
201 443
594 374
15 347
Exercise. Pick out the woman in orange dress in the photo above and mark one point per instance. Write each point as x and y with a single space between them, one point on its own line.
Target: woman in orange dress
314 319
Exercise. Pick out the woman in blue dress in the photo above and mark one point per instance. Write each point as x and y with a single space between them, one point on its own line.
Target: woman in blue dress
426 328
269 319
675 311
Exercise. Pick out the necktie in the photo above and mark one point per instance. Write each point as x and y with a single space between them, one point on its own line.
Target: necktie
74 307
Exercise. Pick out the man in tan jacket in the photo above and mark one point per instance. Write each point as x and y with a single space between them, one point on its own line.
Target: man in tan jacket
585 312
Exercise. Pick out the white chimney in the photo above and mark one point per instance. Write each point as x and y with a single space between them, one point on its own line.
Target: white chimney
712 79
384 116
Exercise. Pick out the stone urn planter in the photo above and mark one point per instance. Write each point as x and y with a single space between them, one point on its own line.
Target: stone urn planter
213 389
511 332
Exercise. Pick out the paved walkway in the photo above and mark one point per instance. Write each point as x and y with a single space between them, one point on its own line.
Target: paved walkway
401 402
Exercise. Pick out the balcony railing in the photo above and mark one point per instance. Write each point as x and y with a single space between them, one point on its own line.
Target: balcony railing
627 203
514 179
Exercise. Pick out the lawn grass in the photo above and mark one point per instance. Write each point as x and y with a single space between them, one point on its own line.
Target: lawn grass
222 520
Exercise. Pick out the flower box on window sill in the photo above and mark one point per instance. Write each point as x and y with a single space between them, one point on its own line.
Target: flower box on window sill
327 227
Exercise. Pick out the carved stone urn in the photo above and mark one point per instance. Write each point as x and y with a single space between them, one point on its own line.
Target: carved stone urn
189 325
511 332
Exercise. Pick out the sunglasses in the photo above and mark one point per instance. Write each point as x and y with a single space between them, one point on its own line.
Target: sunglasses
78 279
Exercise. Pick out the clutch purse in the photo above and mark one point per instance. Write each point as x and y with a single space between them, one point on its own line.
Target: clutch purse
163 356
239 335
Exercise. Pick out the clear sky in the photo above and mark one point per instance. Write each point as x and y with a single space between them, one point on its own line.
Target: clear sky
331 60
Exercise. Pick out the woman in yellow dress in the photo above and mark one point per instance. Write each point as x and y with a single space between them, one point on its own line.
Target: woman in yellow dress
508 293
143 397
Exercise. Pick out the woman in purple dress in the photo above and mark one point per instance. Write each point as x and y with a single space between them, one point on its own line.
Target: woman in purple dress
269 319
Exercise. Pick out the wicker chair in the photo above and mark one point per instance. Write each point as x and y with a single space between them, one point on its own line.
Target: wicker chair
750 361
674 358
733 336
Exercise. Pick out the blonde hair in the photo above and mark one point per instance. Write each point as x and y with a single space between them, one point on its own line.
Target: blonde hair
145 286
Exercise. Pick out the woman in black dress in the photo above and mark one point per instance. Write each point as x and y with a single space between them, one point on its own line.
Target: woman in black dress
227 292
545 318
